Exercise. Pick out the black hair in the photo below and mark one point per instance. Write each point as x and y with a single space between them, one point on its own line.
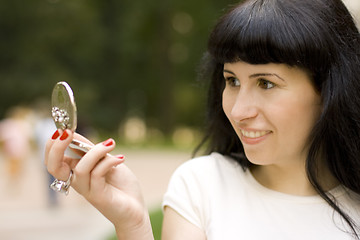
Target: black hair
319 36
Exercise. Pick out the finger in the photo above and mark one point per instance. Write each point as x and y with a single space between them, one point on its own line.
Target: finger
88 162
49 144
56 163
78 141
95 154
105 165
72 162
82 139
97 176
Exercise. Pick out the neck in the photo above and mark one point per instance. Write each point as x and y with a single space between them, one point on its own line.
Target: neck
291 179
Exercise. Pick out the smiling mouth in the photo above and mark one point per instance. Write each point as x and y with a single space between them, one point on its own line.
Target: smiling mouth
253 134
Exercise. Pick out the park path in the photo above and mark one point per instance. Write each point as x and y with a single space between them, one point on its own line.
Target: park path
25 212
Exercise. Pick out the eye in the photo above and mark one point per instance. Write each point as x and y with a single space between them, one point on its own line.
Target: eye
265 84
232 81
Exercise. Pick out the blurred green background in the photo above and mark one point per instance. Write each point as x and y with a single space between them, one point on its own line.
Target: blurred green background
134 60
132 64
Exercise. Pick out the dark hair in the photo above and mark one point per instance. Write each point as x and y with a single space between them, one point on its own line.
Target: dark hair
318 36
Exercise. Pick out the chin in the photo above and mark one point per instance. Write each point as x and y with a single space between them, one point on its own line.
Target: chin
258 159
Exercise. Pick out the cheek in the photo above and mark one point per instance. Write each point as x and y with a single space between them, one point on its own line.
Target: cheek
296 118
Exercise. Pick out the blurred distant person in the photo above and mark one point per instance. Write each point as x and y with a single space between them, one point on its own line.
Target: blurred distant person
44 126
15 135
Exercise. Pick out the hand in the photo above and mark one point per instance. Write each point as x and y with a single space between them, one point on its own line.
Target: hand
103 180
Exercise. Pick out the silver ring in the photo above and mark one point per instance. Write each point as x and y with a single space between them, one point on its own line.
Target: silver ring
62 186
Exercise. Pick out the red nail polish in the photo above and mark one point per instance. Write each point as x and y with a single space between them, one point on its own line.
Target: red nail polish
120 156
64 135
108 142
55 135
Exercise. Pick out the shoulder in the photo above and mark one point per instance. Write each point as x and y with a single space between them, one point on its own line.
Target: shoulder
199 183
205 176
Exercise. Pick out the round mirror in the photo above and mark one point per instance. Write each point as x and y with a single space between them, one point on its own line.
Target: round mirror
64 113
63 107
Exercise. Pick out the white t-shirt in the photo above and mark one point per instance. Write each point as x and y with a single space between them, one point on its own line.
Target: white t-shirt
217 195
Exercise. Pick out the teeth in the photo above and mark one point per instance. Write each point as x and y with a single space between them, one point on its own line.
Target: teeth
253 134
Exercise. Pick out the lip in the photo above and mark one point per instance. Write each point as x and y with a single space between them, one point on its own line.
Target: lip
253 136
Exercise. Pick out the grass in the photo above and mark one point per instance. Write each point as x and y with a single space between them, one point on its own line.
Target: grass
156 218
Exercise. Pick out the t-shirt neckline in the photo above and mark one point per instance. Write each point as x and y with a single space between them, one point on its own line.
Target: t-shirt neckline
336 191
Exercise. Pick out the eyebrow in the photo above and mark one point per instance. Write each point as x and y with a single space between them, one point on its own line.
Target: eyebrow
258 74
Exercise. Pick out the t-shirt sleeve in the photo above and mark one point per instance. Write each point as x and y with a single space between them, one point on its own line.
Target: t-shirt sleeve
185 195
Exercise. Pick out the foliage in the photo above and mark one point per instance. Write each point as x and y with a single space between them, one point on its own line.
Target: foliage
122 58
156 218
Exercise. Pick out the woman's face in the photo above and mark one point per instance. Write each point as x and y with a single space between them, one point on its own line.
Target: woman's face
272 108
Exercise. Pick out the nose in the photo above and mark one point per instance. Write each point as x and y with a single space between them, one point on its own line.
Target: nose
245 107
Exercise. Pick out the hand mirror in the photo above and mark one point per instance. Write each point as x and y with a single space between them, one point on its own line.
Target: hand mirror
64 112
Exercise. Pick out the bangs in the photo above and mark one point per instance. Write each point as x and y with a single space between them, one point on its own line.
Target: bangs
260 33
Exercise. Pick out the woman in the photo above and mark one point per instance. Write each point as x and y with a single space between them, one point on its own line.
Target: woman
284 134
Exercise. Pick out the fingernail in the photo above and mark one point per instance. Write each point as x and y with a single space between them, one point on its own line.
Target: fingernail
108 142
120 156
64 135
55 135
